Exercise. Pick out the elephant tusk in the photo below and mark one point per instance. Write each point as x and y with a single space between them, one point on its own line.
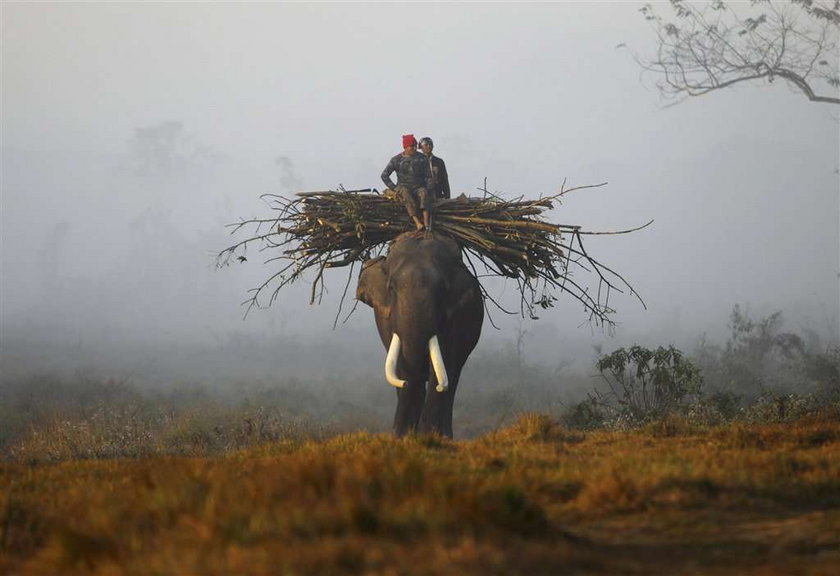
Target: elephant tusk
437 364
391 363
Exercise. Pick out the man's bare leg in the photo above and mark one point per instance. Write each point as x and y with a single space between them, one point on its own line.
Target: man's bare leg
424 200
410 205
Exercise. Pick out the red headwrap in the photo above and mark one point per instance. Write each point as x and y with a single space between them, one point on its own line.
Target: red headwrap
409 140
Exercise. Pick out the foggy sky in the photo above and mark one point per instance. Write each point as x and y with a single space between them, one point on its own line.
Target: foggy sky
276 98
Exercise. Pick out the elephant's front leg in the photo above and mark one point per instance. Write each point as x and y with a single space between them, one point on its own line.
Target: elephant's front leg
410 400
434 412
437 415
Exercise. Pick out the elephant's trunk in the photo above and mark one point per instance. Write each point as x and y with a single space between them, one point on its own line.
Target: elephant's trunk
437 363
391 363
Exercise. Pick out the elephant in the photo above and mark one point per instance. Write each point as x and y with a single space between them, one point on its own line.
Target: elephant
429 310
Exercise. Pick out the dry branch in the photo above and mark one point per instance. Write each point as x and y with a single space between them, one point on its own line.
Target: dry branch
330 229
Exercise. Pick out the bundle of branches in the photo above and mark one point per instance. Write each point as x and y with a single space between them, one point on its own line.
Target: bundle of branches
329 229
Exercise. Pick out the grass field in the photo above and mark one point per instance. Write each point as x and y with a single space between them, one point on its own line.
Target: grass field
530 498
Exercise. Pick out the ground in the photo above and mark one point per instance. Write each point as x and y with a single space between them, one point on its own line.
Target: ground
532 498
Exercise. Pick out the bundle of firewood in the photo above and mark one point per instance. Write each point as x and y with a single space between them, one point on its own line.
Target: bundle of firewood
329 229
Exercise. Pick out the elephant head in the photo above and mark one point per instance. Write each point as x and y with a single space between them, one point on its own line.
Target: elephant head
429 311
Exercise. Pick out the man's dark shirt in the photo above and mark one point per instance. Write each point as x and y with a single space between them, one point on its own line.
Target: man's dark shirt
412 171
440 179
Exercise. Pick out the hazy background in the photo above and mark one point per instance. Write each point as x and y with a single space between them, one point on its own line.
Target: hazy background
132 133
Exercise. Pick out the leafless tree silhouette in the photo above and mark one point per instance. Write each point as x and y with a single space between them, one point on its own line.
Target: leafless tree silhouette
703 48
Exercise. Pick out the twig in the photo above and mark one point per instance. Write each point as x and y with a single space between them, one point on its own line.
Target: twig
335 229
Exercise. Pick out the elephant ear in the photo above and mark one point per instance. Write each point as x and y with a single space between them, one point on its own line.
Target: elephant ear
372 283
463 290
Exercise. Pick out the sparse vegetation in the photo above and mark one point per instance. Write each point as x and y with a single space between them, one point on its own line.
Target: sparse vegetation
101 476
50 419
761 361
762 374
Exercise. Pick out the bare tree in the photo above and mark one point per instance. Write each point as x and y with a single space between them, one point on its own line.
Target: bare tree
167 147
702 48
160 146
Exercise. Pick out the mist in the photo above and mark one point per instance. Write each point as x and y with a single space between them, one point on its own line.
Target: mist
132 134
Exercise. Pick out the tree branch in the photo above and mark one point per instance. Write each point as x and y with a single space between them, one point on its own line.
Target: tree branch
706 49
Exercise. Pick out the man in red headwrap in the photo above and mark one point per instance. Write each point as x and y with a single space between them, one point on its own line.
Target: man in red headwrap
413 181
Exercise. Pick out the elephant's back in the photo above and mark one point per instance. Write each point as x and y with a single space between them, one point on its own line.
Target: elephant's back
419 243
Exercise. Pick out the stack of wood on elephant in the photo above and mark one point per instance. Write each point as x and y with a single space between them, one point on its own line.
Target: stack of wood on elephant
423 286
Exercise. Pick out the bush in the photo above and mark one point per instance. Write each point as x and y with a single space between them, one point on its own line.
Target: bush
824 369
758 358
644 384
585 415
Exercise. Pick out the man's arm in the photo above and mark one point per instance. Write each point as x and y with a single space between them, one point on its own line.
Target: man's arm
386 174
444 180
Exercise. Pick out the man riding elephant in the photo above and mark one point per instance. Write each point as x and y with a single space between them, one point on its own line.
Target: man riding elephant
413 181
440 179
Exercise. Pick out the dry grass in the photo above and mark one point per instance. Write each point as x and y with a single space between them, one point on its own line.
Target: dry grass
532 497
124 432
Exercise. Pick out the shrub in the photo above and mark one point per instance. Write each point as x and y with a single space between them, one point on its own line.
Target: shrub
643 384
824 369
586 415
758 358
